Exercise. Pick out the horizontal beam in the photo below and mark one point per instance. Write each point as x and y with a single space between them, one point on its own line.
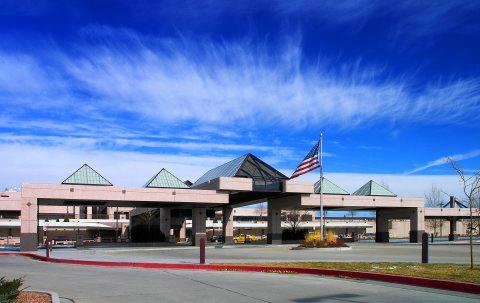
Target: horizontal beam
54 192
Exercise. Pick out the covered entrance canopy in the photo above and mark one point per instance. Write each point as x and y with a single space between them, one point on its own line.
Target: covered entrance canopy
248 180
264 176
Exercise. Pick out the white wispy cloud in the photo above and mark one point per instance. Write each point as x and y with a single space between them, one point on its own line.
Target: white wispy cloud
227 84
112 142
443 160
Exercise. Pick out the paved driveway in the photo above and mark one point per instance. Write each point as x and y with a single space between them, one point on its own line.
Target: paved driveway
367 252
78 283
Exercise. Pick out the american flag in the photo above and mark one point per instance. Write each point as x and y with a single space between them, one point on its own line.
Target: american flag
309 163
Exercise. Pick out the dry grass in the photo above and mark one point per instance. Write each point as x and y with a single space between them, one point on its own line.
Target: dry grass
451 272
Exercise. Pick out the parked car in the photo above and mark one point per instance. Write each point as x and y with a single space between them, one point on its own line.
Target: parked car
242 238
216 238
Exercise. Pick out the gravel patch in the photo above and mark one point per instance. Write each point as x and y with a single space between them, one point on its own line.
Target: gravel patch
34 297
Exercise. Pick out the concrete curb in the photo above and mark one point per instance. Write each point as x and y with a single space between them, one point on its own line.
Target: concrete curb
323 248
53 295
414 281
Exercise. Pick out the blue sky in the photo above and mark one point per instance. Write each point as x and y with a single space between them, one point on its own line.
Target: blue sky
130 87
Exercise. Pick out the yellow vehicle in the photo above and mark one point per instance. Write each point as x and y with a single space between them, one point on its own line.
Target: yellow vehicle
242 238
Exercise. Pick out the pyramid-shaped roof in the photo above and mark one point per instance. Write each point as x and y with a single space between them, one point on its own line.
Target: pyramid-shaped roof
372 188
329 188
247 166
86 175
165 179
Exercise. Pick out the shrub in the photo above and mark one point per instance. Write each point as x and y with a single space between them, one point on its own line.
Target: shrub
331 238
10 289
313 238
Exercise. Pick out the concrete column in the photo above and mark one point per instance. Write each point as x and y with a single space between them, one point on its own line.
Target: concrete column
77 211
183 230
199 229
29 225
89 212
417 224
165 222
453 235
452 203
381 221
274 224
227 224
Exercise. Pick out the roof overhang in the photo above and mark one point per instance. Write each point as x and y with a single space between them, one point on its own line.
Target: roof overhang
61 194
332 202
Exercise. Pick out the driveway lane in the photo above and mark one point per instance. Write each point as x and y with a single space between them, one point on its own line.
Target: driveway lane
100 285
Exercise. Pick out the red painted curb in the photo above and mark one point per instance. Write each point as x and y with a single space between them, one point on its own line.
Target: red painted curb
415 281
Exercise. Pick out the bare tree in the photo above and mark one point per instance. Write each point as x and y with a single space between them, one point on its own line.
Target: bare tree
434 199
261 210
294 218
471 187
148 218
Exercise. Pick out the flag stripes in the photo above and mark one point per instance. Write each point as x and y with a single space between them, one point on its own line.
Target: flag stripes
309 163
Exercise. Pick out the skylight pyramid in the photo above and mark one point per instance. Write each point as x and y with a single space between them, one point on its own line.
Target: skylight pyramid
329 188
246 166
165 179
86 175
371 188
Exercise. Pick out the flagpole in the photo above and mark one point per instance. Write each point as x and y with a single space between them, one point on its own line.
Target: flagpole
321 186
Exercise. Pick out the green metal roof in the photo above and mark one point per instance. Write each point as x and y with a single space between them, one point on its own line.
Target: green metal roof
165 179
371 188
329 188
86 175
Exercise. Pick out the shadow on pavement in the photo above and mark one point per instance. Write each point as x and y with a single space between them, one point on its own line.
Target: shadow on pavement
339 297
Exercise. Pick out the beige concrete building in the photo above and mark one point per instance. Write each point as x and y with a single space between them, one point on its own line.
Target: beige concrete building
246 180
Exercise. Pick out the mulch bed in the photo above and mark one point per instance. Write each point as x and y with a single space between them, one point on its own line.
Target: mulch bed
34 297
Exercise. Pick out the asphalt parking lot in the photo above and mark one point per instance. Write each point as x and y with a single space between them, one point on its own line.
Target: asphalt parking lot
82 284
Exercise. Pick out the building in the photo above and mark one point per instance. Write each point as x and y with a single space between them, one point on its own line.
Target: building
96 210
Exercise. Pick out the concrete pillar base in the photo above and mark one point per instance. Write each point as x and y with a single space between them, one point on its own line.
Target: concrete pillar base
416 236
228 239
198 225
452 237
382 237
227 225
274 238
28 242
274 224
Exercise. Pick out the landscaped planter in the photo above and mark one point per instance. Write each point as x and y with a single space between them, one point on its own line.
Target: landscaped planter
36 296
